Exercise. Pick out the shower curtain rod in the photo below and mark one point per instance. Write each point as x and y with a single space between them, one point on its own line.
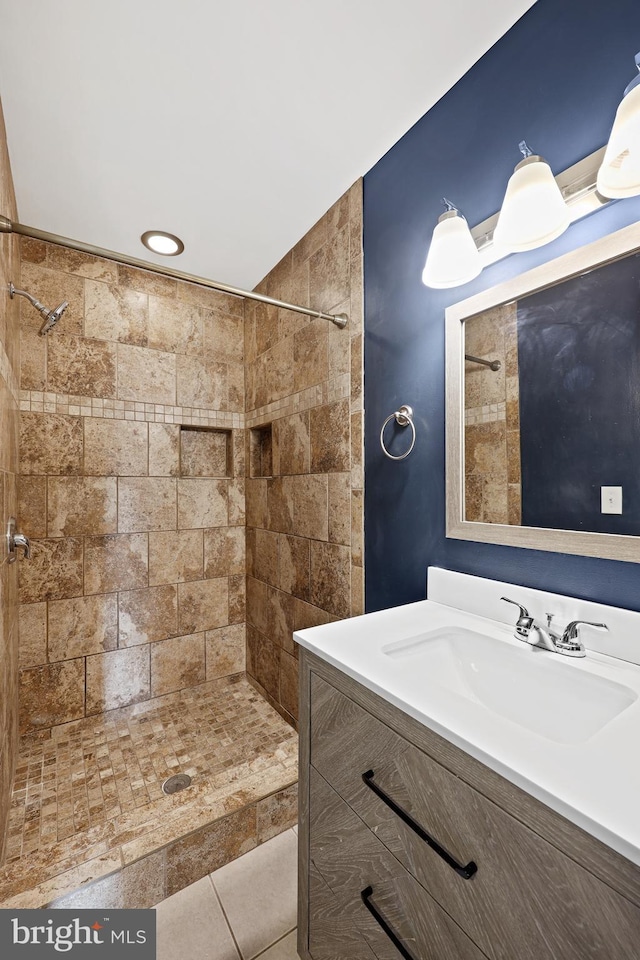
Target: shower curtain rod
9 226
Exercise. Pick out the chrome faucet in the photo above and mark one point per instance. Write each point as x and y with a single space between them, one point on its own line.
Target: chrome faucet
568 643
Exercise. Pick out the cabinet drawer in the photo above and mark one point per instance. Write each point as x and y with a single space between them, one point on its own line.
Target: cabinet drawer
526 899
348 866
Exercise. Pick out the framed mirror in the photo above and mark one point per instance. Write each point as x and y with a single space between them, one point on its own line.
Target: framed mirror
543 406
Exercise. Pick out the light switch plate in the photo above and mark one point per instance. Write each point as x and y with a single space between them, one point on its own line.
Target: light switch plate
611 499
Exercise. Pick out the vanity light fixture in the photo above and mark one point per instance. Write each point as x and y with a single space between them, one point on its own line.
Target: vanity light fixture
533 210
619 175
453 257
166 244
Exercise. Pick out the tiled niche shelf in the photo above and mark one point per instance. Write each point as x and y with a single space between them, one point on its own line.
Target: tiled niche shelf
205 452
261 451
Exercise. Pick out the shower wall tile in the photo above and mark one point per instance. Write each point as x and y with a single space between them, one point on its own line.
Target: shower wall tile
118 678
224 552
176 556
82 626
50 444
164 450
146 375
225 651
114 447
146 503
113 312
116 563
54 571
203 605
202 503
147 615
79 506
32 506
33 634
237 599
174 326
204 453
304 377
177 663
50 694
51 288
202 383
79 366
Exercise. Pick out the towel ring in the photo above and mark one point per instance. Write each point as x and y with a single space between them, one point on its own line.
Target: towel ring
404 418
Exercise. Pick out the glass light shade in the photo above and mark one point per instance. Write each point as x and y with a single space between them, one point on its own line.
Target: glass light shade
453 257
533 212
166 244
619 175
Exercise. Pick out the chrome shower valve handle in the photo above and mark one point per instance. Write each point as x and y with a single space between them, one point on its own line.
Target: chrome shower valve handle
16 541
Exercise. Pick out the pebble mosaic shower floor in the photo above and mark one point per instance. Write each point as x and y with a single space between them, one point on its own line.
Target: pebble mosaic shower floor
88 798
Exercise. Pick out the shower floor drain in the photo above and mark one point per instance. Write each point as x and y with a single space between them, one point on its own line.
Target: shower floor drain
176 783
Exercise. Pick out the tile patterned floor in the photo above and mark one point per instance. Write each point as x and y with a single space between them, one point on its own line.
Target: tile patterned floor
243 911
95 784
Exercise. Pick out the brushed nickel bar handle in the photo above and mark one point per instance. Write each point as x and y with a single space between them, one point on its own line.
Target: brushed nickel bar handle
464 871
366 894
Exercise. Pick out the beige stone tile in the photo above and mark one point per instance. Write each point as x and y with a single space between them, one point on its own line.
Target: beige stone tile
311 507
32 506
280 503
148 376
33 251
33 634
310 356
33 359
54 571
82 626
289 683
280 364
341 347
310 243
237 501
202 503
257 605
357 528
261 451
277 813
237 599
225 650
138 886
331 578
265 559
258 893
266 328
357 470
238 453
164 450
118 562
224 335
81 367
356 371
207 849
223 303
147 615
294 566
330 437
291 444
257 504
50 444
203 605
235 388
329 272
205 453
51 694
190 922
280 618
201 382
340 508
146 281
113 312
307 615
146 503
118 678
175 556
357 591
115 447
177 663
175 326
224 552
81 264
52 287
81 506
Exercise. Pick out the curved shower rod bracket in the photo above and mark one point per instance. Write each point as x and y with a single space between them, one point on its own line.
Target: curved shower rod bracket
9 226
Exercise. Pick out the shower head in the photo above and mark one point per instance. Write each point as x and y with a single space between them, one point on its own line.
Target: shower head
51 317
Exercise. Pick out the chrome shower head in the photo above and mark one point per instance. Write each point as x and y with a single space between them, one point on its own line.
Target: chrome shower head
51 317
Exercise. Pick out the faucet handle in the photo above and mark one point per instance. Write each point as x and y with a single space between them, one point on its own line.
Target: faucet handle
571 638
523 610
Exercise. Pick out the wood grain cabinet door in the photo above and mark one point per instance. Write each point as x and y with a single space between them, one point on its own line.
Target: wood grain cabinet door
526 900
362 901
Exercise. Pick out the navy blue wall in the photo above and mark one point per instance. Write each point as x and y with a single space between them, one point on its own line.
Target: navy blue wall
555 79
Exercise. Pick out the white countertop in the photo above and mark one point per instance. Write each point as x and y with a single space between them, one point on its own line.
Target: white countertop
595 783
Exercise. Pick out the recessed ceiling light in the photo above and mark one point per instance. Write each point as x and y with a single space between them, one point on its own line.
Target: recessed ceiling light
163 243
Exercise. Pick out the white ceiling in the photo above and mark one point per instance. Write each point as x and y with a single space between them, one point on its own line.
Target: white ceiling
234 125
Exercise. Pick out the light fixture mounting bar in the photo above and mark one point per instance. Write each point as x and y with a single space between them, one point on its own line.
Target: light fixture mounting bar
9 226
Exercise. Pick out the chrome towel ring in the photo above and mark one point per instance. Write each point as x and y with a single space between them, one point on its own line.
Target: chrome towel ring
404 418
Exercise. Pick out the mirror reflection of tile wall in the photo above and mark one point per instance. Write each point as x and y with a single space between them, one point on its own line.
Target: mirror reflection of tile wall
492 419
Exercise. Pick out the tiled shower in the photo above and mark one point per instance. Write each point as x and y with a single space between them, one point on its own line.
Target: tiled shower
190 477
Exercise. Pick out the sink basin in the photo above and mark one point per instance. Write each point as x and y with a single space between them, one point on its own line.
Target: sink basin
532 688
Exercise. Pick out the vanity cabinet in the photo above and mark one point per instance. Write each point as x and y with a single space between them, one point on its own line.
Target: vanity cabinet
410 847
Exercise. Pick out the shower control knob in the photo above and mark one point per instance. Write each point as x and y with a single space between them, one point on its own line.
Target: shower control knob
16 541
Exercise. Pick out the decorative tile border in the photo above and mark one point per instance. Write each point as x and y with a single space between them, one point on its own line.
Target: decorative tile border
327 392
489 413
35 401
